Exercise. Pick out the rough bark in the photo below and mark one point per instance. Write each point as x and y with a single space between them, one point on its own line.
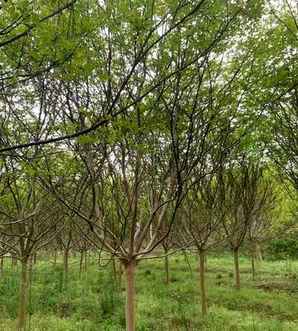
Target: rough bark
130 295
23 300
202 281
237 270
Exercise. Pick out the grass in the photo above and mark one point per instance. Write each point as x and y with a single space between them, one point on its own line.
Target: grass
95 301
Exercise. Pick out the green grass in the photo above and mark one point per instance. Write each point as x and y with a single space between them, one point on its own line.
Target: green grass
96 300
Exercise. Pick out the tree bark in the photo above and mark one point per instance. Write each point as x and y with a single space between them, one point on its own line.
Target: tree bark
130 295
202 282
23 303
237 271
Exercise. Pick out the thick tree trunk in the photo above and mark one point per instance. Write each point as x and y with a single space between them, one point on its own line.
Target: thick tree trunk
130 295
23 301
237 271
202 281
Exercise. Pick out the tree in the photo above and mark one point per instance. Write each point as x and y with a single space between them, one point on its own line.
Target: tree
201 223
28 223
244 196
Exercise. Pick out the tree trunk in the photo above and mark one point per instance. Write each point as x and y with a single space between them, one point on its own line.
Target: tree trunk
86 261
130 295
167 270
99 258
237 271
14 262
253 269
2 265
65 264
30 270
24 290
55 257
202 281
258 252
114 268
81 262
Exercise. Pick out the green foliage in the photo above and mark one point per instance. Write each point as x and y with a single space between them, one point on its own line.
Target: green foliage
283 248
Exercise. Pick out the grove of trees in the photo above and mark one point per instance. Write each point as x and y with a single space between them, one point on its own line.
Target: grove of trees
140 128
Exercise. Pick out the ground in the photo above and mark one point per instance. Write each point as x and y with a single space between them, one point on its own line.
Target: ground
95 301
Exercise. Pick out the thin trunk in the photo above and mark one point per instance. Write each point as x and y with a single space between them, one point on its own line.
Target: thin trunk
130 295
253 259
166 261
30 268
55 257
65 264
202 281
114 267
2 265
253 269
23 301
237 271
14 262
167 270
258 252
86 261
81 262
